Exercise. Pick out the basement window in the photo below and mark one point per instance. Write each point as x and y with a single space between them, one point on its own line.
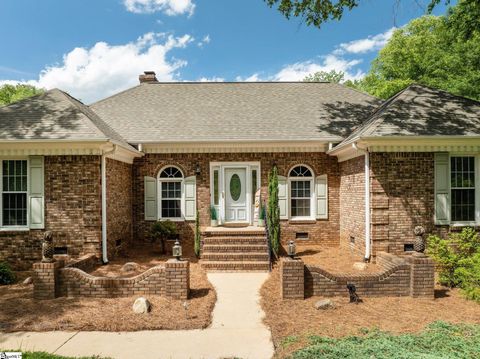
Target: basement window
60 250
408 247
301 235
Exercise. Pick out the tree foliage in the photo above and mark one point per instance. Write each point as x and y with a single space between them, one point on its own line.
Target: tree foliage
197 239
317 12
434 51
13 93
323 76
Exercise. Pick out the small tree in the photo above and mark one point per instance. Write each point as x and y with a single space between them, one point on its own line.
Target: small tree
6 274
273 211
196 247
162 231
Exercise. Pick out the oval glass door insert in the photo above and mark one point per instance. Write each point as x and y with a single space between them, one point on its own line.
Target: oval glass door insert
235 187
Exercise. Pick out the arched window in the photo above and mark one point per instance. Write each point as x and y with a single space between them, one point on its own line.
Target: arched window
301 180
171 192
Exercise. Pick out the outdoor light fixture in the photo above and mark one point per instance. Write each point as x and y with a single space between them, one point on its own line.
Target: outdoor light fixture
291 249
198 170
177 250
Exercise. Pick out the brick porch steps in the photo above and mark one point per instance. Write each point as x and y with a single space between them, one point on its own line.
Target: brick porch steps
234 249
223 266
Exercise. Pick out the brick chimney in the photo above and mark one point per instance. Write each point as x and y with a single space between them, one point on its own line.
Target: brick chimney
147 77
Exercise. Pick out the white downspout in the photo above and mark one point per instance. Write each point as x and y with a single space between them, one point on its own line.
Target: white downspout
368 247
104 204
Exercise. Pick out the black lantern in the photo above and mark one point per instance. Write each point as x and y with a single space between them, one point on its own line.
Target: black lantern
198 169
291 249
177 250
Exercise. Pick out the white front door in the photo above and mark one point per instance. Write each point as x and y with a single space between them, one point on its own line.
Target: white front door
236 207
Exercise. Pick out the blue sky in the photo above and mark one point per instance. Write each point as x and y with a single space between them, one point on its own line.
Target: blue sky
95 48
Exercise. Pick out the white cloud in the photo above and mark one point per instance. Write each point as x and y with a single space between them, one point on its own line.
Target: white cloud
211 79
252 78
205 41
103 69
169 7
361 46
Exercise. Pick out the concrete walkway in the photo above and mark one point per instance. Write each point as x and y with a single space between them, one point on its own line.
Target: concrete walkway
236 331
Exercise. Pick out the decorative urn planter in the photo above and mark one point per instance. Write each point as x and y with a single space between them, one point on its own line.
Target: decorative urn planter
47 248
261 222
419 244
213 223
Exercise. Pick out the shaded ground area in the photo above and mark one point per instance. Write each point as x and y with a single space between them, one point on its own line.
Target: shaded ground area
292 321
21 313
333 259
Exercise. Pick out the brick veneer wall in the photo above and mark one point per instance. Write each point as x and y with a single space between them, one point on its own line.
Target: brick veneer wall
72 212
402 196
319 232
53 279
352 204
410 276
119 206
292 279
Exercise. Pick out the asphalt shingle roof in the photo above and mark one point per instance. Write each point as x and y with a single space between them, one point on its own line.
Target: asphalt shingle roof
54 115
235 111
422 111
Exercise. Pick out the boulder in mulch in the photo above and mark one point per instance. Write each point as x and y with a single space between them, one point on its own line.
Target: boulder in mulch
141 306
27 281
324 304
130 267
361 266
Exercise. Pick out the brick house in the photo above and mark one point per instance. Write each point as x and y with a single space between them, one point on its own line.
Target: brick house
352 170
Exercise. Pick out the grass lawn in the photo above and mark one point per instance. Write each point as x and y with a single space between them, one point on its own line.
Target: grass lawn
43 355
438 340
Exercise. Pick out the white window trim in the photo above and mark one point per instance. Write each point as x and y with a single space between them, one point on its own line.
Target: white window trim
159 195
313 202
14 228
477 189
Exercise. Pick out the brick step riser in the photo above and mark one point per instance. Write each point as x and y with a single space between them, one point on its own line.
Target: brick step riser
234 257
234 234
209 248
236 266
234 241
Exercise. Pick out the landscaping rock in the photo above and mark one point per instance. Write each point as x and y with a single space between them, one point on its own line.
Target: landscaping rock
129 267
28 281
141 306
324 304
361 266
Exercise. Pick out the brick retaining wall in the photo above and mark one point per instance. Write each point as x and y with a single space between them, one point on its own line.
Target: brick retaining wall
410 276
51 280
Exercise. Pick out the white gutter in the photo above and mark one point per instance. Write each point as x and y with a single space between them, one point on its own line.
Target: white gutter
104 203
368 243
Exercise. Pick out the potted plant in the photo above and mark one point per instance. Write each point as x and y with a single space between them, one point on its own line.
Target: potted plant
213 216
162 231
261 216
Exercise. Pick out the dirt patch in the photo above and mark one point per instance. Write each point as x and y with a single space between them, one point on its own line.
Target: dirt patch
334 259
20 312
292 321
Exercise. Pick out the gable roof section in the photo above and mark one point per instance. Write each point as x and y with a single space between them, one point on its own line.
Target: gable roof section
238 111
56 116
422 111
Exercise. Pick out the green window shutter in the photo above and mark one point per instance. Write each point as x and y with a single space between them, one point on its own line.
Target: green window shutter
36 198
190 210
283 197
442 188
321 191
150 189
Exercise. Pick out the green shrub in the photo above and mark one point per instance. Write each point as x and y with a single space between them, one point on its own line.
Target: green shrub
458 260
6 274
163 230
273 211
261 211
196 245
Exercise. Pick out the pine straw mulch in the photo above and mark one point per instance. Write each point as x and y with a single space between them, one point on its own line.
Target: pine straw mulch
333 259
292 321
19 312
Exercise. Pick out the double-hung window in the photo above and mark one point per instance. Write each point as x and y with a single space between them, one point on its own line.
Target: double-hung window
14 193
170 181
462 187
301 192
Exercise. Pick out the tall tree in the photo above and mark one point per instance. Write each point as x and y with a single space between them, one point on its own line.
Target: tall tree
317 12
14 93
323 76
432 51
